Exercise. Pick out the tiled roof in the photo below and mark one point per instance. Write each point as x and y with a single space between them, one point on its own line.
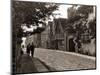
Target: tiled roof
62 21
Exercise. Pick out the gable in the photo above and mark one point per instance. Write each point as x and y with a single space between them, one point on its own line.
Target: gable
60 25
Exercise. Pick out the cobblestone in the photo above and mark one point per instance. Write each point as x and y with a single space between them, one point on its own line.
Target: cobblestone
61 60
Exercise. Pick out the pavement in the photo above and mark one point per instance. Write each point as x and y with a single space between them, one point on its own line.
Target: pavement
28 64
63 60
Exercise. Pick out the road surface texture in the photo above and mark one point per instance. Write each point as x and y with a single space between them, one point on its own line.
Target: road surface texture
27 65
47 60
61 60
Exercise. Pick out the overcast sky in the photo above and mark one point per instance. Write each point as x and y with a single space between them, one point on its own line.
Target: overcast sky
62 10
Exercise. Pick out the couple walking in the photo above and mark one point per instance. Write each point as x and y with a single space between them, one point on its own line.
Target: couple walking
30 49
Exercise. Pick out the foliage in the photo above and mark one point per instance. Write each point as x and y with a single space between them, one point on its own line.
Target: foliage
30 13
79 21
84 10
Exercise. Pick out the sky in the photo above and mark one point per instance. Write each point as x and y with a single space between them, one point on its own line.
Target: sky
62 10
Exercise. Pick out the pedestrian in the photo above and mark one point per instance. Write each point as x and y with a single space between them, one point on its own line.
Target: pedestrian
28 49
21 52
32 49
79 46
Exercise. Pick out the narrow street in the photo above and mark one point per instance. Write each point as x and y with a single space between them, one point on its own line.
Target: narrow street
47 60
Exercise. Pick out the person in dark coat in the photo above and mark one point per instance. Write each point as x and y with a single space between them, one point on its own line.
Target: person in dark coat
79 46
32 49
28 49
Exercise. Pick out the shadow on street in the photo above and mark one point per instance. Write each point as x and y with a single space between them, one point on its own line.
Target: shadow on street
27 64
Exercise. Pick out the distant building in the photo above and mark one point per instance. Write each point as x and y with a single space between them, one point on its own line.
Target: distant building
57 38
45 37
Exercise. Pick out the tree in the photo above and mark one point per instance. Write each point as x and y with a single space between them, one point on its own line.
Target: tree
32 12
29 13
79 21
85 10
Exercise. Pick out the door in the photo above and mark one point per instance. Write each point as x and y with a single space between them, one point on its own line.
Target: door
71 45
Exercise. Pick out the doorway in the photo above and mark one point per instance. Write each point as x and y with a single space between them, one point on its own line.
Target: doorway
71 45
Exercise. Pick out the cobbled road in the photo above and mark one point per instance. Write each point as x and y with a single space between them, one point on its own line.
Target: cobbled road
61 60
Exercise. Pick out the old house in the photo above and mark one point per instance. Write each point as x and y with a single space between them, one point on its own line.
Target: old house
57 33
45 37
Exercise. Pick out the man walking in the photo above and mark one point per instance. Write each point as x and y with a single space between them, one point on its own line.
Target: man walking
32 49
28 49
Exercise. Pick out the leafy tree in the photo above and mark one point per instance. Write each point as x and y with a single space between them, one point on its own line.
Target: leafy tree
78 22
84 10
29 13
32 12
